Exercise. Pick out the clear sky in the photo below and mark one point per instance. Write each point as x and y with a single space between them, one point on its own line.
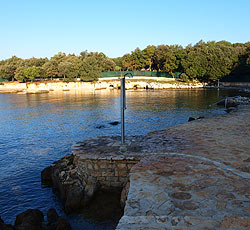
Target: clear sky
42 28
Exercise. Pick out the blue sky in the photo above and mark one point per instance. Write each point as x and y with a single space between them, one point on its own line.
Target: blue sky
42 28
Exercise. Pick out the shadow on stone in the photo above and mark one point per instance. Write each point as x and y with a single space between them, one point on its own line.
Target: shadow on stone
104 207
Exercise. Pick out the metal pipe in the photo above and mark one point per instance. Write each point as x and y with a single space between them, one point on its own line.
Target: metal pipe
123 107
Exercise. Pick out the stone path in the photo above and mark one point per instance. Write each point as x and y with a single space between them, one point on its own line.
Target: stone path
192 176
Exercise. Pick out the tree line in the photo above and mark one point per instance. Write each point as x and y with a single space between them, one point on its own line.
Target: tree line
205 61
86 66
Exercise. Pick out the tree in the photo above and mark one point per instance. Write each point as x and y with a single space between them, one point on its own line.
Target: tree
90 69
126 62
38 62
28 73
9 66
69 67
50 69
149 52
194 63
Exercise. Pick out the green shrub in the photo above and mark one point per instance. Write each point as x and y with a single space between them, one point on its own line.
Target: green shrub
184 77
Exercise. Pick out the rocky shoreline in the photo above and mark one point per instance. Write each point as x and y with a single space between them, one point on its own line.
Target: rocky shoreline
46 87
33 219
98 164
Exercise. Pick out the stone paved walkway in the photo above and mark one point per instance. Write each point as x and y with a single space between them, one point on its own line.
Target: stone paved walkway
192 176
205 184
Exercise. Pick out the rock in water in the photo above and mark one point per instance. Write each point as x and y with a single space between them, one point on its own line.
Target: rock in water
100 126
66 183
31 219
4 226
62 224
52 216
114 123
46 175
191 119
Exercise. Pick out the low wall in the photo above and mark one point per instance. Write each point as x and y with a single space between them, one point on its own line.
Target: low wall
106 172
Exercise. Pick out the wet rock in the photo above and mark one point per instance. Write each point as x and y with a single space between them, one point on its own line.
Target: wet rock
114 123
191 119
201 117
62 224
31 219
66 183
73 196
52 215
46 175
100 126
4 226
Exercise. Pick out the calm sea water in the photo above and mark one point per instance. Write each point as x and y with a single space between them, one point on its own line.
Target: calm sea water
37 129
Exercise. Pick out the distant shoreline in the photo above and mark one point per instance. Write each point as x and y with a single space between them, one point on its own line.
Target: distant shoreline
46 87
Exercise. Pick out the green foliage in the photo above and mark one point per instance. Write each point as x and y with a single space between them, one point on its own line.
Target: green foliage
90 69
28 73
9 66
184 77
206 61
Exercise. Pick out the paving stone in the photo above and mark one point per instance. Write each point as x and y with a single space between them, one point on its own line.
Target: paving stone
192 176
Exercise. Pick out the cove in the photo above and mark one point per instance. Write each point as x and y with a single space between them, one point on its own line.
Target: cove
36 130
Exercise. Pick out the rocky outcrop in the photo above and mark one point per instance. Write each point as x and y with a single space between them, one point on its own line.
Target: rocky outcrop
31 219
55 222
67 184
96 164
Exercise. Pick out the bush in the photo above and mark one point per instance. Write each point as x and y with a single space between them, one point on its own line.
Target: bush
184 77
